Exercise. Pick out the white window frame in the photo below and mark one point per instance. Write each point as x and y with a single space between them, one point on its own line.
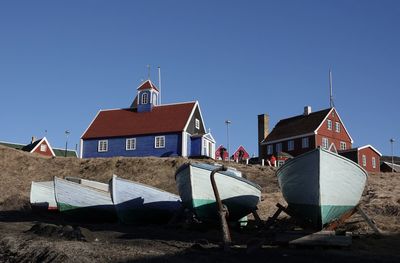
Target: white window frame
205 147
130 144
337 127
102 146
145 98
290 145
364 160
305 142
329 122
270 149
159 142
43 147
278 147
325 143
197 124
154 99
343 146
373 162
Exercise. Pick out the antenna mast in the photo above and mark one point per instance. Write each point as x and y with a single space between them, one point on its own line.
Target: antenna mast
159 83
148 71
331 104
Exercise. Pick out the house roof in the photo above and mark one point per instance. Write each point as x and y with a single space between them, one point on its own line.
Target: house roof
240 148
32 146
395 167
61 152
360 148
296 126
128 122
147 85
29 147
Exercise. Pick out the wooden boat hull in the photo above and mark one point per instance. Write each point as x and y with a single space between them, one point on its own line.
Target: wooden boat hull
42 196
320 186
83 203
239 195
140 203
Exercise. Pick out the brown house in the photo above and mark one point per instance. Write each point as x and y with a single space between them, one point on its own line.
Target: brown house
366 156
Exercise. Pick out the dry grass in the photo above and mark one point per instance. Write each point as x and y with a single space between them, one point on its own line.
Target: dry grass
381 201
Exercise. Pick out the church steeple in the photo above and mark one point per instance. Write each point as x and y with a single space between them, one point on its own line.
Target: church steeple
147 96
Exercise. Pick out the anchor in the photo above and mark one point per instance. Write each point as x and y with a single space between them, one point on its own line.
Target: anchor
222 210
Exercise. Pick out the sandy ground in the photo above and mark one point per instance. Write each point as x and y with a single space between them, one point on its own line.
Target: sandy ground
32 237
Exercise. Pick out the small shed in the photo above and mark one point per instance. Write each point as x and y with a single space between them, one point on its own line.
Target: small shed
388 167
240 154
221 153
366 156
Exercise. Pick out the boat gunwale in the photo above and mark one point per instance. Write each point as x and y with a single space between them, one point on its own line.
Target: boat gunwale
229 174
145 185
326 151
80 185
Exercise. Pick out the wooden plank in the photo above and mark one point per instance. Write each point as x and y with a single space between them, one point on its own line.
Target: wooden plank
368 220
323 238
335 224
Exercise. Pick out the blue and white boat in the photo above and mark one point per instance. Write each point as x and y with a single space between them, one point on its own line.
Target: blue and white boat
239 195
140 203
320 186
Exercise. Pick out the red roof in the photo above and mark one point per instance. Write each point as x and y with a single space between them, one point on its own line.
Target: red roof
147 85
128 122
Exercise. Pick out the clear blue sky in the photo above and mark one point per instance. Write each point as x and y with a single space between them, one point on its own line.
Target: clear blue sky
62 61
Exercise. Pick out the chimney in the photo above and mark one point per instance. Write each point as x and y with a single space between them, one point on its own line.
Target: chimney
307 110
33 139
263 130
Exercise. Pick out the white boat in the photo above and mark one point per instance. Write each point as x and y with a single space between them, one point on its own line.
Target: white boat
136 202
42 196
320 186
239 195
83 202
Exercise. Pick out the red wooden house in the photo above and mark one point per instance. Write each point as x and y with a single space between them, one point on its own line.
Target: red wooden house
240 154
302 133
42 147
367 157
221 150
299 134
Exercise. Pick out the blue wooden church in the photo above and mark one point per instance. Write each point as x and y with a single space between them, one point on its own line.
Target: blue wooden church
148 128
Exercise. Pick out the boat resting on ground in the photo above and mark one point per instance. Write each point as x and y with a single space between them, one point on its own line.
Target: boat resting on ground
82 202
42 196
140 203
239 195
321 186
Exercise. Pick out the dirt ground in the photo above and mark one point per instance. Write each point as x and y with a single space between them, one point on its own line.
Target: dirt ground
31 237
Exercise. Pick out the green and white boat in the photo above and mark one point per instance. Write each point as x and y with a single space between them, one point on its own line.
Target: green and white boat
84 203
320 186
42 196
239 195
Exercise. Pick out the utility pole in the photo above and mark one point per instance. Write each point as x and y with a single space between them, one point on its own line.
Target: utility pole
66 142
227 122
391 143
